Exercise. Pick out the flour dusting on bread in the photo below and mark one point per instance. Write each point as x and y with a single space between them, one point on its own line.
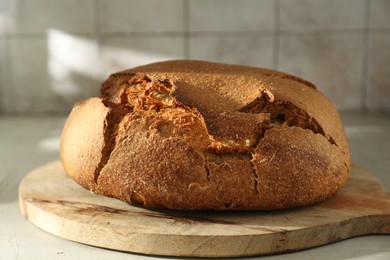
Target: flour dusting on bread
201 135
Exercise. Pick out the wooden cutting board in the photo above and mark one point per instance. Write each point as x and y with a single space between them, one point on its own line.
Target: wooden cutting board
53 202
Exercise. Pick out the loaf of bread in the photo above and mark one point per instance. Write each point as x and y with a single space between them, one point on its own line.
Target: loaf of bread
199 135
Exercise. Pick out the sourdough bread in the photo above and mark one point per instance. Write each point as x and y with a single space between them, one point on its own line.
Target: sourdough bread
201 135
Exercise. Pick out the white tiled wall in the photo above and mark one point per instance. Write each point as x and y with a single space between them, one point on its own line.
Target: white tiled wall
231 15
379 14
321 14
124 16
39 16
233 49
54 52
121 52
378 87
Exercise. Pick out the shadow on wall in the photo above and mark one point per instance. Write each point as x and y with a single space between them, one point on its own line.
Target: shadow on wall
72 58
68 68
49 74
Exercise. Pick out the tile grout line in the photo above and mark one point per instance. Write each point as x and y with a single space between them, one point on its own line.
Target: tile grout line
209 33
365 47
186 20
3 83
7 89
95 34
95 18
276 36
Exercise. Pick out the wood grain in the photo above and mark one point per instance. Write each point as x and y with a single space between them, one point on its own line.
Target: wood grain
56 204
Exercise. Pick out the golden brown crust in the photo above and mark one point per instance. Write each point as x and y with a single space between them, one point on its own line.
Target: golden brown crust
201 135
82 140
297 167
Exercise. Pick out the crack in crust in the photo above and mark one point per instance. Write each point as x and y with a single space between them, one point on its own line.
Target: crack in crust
285 113
255 178
135 92
111 125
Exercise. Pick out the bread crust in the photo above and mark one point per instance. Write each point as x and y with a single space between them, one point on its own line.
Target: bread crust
201 135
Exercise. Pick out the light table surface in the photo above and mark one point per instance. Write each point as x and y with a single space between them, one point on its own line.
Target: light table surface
29 142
